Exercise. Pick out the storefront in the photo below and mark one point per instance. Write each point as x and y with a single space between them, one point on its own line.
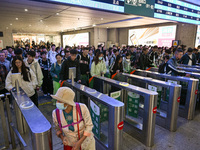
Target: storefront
21 39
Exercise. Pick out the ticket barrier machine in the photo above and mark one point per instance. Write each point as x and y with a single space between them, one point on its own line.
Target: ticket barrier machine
189 69
139 123
188 110
188 66
31 123
107 129
167 109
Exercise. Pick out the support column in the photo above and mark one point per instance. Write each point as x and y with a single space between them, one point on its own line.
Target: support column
187 34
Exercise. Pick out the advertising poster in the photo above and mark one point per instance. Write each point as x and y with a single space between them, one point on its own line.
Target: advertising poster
95 115
76 39
1 44
197 43
161 36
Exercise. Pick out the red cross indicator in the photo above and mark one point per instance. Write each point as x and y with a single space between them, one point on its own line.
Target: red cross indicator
178 99
155 110
120 126
196 92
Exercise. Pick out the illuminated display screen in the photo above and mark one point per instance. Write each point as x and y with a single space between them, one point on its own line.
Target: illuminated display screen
76 39
110 5
161 36
177 10
197 43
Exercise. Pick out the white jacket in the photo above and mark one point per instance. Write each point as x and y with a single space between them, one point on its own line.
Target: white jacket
52 56
28 87
35 67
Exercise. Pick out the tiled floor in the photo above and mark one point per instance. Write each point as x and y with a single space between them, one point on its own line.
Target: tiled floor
187 136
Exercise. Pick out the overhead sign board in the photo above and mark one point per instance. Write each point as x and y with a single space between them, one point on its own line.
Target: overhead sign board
175 10
109 5
139 7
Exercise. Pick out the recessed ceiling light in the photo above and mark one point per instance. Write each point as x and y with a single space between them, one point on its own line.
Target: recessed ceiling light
57 13
46 26
60 22
29 25
94 25
40 20
6 27
16 18
11 24
101 18
107 27
25 9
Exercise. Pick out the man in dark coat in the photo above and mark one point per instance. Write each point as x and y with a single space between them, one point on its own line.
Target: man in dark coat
68 63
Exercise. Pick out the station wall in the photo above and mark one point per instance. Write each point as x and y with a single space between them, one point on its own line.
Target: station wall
7 37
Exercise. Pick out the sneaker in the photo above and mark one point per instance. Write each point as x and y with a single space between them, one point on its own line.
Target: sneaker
45 95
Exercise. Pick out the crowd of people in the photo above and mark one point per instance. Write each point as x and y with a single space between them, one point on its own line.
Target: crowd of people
47 68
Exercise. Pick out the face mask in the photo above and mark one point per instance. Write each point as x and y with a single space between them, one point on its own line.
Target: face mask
100 58
61 106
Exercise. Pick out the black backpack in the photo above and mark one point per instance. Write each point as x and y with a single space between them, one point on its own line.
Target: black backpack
162 68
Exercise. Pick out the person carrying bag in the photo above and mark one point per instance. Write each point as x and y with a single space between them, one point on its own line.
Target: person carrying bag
72 121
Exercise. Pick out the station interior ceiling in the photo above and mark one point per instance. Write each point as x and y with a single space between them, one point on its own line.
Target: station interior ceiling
25 16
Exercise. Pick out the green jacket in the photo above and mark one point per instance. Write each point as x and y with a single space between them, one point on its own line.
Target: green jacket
55 70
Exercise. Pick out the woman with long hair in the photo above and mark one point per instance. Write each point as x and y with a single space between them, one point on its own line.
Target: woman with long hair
106 53
28 78
98 68
118 67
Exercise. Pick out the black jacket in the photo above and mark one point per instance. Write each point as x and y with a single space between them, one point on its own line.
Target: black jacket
116 67
152 54
144 62
185 59
84 63
64 73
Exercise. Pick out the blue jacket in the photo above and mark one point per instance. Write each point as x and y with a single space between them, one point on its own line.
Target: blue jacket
171 68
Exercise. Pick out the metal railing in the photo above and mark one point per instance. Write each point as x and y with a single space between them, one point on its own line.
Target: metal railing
6 119
115 115
189 69
188 66
142 130
168 115
31 123
188 110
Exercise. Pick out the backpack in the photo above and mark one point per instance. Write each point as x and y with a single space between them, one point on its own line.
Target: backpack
162 68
